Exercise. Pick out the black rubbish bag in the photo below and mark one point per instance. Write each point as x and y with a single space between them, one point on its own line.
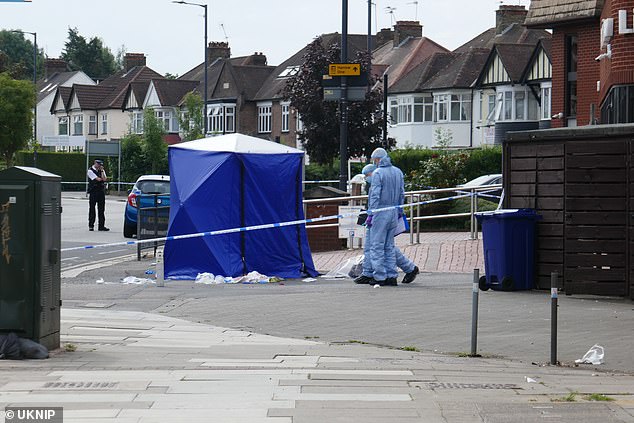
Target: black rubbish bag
10 346
362 218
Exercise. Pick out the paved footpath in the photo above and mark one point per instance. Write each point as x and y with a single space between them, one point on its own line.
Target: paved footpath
447 252
133 367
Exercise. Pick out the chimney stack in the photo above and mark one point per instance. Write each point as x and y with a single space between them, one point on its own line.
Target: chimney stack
218 49
383 36
404 29
52 66
131 60
257 59
507 15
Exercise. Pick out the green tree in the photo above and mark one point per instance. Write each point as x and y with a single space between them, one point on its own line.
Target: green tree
16 55
17 100
154 147
320 118
133 162
89 56
191 120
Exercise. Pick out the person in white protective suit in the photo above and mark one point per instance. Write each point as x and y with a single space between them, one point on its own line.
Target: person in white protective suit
402 262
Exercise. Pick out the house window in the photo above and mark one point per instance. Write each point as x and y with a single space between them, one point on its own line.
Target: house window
299 125
164 118
137 122
545 115
508 105
264 118
92 125
104 124
405 106
393 111
491 113
230 118
571 81
440 103
285 115
78 125
424 109
519 106
461 107
215 120
62 125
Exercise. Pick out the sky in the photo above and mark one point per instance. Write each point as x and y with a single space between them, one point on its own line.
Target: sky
172 35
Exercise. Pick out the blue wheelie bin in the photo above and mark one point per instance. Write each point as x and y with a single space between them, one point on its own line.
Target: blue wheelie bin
508 237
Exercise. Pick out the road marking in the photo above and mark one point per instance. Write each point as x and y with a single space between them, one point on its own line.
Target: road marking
69 258
73 272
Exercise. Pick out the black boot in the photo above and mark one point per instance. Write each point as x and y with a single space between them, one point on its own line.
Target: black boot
364 280
409 277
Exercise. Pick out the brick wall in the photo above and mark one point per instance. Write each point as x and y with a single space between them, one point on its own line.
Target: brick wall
588 48
619 70
247 120
324 239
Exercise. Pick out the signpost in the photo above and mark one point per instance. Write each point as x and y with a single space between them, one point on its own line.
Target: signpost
344 69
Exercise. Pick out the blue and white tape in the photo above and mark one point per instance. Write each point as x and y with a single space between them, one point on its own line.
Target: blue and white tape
258 227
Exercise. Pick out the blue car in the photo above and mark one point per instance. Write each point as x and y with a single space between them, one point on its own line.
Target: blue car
146 184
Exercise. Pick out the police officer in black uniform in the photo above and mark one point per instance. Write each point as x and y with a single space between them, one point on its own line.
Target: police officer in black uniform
97 195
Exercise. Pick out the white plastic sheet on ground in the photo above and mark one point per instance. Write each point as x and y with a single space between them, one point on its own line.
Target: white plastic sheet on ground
593 356
249 278
350 268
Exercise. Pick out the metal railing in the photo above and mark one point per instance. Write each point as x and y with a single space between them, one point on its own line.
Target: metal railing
415 198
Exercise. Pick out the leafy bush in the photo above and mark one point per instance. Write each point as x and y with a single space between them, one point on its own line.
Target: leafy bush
70 166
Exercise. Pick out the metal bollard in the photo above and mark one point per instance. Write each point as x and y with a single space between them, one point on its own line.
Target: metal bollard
474 314
553 318
160 275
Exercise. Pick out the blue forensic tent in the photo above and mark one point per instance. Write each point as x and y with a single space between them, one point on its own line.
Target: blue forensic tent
234 181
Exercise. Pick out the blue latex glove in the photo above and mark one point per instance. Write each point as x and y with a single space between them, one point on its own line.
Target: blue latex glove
368 222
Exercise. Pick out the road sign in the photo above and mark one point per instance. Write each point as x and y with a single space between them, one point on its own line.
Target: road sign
354 93
344 69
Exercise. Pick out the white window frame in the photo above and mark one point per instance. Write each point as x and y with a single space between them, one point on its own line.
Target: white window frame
230 118
286 112
264 117
104 124
299 125
62 121
137 122
215 118
463 102
546 101
78 125
441 107
92 125
393 118
510 108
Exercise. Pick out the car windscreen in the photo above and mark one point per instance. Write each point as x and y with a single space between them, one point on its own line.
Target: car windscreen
154 187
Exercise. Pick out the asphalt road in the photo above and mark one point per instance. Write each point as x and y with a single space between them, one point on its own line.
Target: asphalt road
75 232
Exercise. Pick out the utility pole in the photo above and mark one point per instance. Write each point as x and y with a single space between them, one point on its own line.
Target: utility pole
343 103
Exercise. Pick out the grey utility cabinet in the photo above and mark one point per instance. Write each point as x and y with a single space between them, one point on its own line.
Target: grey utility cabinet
30 244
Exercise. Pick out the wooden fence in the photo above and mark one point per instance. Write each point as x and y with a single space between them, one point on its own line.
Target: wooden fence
581 180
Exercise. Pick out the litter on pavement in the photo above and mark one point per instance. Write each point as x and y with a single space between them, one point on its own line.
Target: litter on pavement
593 356
250 278
350 268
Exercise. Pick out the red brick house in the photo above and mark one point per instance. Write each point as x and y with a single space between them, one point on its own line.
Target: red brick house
592 59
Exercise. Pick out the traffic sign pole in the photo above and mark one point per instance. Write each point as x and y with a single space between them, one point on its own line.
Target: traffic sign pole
343 104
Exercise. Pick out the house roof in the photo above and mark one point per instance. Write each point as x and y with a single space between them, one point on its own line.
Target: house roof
515 58
247 78
120 81
171 91
513 34
64 93
461 72
402 58
547 13
416 78
47 86
544 45
274 84
90 96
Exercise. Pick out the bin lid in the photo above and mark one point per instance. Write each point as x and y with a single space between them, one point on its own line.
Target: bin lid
509 214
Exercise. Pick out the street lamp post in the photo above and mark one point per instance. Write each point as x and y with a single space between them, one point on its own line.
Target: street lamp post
204 6
34 34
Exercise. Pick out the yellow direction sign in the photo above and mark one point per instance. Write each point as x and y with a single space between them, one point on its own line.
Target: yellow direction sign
344 69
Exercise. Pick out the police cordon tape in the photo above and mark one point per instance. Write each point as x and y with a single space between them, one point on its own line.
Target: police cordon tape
258 227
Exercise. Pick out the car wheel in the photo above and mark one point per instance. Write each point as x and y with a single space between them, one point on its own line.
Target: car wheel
129 230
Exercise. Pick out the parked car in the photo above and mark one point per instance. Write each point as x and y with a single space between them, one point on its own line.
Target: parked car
146 184
493 179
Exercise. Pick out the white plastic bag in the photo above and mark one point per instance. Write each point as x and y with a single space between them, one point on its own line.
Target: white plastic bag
350 268
593 356
205 278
